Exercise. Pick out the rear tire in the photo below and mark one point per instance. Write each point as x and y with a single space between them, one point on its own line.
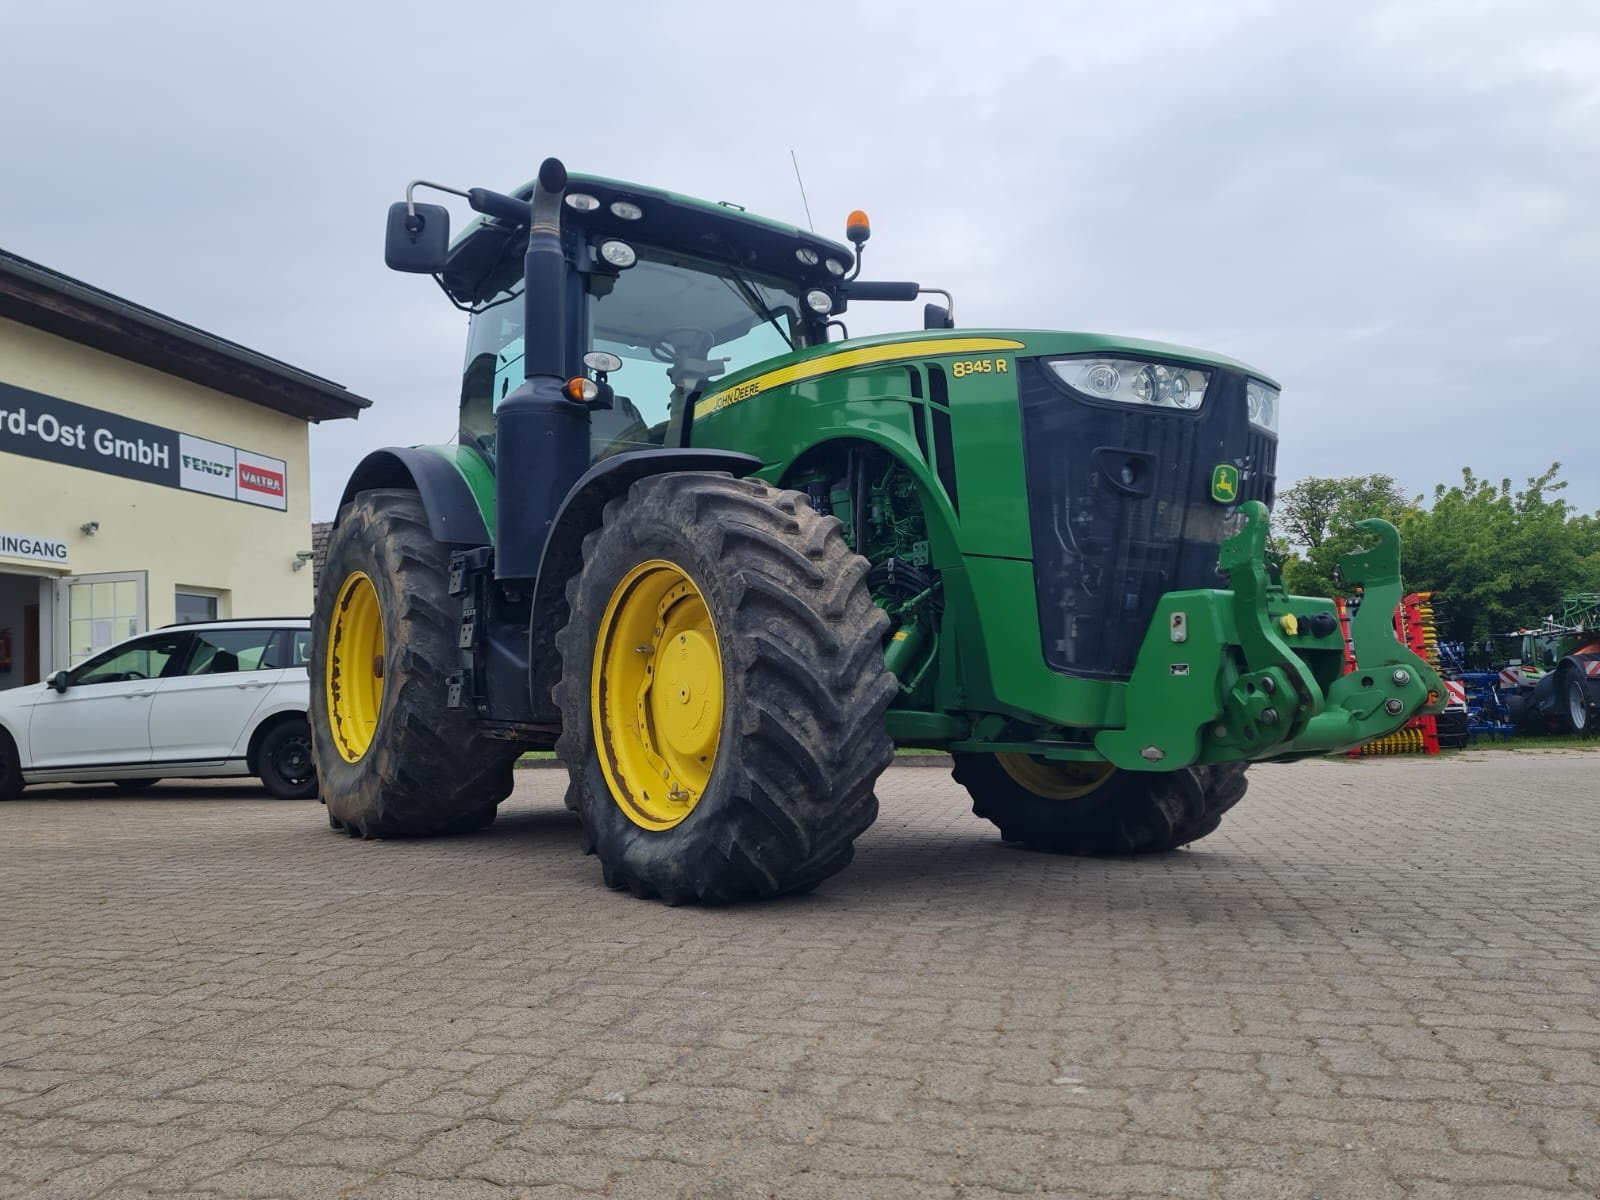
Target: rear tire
135 785
761 700
11 784
284 761
397 763
1131 812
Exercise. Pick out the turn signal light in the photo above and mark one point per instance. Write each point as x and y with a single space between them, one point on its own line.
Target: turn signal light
582 390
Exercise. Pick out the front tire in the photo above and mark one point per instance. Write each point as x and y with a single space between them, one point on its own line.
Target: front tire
1079 808
393 760
723 692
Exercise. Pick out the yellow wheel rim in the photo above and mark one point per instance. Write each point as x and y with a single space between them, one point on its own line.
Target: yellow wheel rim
656 694
355 667
1055 780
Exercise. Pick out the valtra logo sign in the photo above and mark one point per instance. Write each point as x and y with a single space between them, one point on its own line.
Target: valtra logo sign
35 425
259 479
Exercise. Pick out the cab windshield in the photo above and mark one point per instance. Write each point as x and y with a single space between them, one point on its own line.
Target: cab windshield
678 322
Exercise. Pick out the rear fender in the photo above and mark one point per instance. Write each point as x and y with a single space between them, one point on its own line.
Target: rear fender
454 483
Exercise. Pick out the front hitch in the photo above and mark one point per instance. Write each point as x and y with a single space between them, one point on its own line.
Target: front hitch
1218 680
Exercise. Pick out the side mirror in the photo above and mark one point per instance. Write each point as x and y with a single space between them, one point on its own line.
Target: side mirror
58 681
417 241
936 316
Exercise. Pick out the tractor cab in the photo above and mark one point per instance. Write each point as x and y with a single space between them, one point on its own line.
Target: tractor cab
665 294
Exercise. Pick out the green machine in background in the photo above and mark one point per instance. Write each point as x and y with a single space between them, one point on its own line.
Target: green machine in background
724 557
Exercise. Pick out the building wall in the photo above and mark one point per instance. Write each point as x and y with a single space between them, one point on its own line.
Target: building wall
181 539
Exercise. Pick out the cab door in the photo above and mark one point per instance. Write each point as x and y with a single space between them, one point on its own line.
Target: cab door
102 719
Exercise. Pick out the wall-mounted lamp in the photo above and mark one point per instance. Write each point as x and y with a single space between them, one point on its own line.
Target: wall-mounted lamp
89 528
302 557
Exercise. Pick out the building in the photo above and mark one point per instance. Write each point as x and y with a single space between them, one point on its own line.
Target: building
149 473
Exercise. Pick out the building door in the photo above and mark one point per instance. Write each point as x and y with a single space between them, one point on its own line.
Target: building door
30 643
95 612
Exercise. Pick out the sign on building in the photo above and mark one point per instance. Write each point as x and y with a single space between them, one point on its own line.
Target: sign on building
35 425
29 546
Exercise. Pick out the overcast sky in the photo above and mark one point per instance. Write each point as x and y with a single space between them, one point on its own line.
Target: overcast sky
1393 208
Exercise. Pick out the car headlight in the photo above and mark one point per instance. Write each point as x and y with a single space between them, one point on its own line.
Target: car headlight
1129 381
1262 400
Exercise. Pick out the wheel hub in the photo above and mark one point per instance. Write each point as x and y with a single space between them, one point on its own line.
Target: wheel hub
294 760
657 694
1053 780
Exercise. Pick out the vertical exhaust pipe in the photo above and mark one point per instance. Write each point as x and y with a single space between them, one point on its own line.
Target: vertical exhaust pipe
541 437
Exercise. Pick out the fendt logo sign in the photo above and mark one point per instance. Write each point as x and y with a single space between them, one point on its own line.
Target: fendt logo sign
35 425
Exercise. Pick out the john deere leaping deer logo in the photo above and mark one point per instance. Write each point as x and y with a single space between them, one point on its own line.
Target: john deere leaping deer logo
1225 483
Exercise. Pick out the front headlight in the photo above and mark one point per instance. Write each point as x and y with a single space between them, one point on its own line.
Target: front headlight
1129 381
1262 400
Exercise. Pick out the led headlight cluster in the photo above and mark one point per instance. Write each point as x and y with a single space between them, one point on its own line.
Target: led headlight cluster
1262 400
1129 381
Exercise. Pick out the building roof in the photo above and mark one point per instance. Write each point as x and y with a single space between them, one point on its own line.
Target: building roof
35 295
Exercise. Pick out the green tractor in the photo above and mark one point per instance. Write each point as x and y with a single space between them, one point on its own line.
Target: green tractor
724 558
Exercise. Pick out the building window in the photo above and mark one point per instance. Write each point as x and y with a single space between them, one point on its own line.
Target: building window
100 611
195 606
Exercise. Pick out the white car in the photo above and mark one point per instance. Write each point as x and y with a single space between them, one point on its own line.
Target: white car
217 698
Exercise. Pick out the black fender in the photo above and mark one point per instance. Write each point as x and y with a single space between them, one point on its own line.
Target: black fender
579 514
453 515
1542 698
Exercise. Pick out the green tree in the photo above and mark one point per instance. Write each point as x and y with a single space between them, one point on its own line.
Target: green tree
1314 521
1499 558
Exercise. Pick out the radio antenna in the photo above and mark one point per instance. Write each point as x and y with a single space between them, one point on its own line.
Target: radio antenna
802 184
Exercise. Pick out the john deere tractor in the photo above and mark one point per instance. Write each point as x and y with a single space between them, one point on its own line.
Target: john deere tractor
724 557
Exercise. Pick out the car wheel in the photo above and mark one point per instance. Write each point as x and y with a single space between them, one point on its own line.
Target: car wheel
284 761
10 768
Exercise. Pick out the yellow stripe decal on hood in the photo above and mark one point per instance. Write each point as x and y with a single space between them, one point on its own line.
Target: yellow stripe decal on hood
844 360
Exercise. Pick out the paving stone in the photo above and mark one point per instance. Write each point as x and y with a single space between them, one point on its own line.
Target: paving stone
1378 979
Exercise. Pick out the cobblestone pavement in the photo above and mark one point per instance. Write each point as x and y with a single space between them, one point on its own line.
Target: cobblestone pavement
1378 979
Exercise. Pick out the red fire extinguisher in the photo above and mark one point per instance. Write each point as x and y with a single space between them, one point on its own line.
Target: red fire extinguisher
5 650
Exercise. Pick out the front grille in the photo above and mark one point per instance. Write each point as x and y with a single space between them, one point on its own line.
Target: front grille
1107 545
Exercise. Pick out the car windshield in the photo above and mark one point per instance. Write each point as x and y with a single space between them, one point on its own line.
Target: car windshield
678 322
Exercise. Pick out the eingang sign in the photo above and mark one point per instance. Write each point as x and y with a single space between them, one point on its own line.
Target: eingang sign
44 427
30 546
